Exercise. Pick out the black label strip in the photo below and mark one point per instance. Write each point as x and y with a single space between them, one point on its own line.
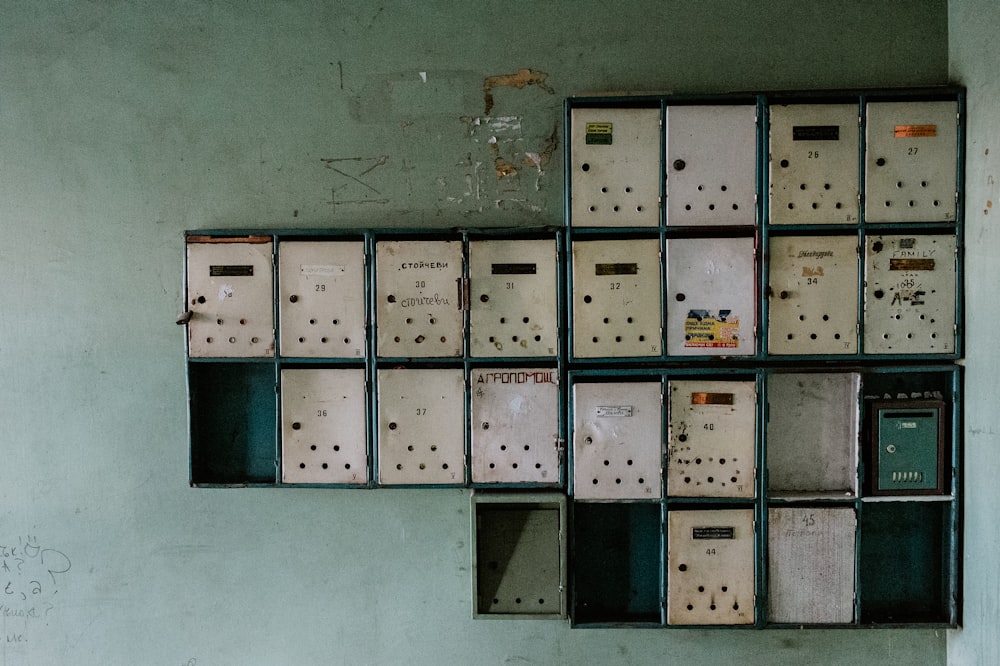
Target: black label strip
230 271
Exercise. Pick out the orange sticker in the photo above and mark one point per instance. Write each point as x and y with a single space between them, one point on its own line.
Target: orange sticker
915 131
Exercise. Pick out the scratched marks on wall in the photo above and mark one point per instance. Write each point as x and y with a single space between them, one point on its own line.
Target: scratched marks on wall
355 180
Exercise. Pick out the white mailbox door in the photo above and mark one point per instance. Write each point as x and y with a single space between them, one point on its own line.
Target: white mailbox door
813 160
812 434
322 299
230 295
418 305
615 167
711 297
421 426
910 294
323 426
813 295
515 425
710 560
711 165
513 303
712 438
810 565
910 161
617 437
616 298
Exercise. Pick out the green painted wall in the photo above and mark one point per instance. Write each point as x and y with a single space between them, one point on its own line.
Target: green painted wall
122 124
974 57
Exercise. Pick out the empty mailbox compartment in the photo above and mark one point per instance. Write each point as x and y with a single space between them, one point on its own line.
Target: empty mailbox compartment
711 297
712 438
421 426
710 567
910 294
321 301
813 158
515 425
617 298
810 569
813 295
617 563
812 434
615 167
903 563
418 305
617 435
229 295
519 555
711 165
513 298
908 447
911 158
324 426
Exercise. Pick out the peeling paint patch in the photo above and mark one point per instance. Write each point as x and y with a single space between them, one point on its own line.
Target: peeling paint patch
523 77
504 168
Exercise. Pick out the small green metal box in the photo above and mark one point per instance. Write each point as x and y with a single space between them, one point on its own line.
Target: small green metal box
908 447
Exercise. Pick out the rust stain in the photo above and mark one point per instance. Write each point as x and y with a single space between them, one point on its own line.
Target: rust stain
523 77
989 203
504 168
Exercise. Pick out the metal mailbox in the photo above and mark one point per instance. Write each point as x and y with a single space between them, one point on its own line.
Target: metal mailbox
908 447
322 299
513 298
712 438
813 159
711 297
515 425
617 435
323 426
229 297
711 165
615 167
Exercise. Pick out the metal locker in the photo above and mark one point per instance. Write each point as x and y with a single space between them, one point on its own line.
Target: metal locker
513 298
616 298
813 295
418 298
810 565
321 302
711 297
812 434
229 295
617 437
615 167
813 159
323 426
515 425
710 567
910 294
910 161
908 447
711 154
711 438
421 426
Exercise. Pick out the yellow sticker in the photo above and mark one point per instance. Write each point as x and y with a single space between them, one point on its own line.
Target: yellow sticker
703 329
915 131
598 134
